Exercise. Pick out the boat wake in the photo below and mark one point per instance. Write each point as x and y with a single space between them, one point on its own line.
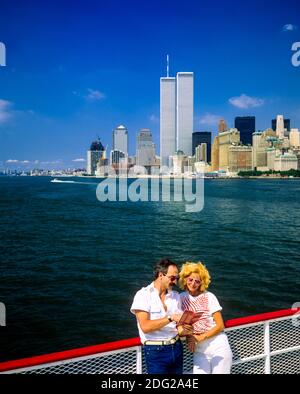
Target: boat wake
74 182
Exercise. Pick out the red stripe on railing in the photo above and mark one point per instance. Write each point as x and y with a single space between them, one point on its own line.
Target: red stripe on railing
69 354
261 317
127 343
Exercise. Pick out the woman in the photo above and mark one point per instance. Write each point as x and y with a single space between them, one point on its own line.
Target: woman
212 353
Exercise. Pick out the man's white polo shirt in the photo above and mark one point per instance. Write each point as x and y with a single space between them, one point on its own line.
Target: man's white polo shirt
147 299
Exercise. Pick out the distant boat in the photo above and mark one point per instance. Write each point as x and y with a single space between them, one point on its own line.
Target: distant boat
60 181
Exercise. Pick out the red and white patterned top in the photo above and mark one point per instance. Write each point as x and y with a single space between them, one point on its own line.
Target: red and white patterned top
205 303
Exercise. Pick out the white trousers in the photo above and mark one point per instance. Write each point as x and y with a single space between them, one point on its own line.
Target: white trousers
213 356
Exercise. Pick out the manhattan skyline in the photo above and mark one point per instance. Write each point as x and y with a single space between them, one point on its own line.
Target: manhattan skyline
73 74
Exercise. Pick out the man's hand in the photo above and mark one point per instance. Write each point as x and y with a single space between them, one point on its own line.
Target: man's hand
176 317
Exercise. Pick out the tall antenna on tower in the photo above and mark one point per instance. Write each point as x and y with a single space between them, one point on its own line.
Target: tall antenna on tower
167 66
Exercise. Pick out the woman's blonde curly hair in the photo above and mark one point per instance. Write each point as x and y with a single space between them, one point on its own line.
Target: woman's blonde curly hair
189 268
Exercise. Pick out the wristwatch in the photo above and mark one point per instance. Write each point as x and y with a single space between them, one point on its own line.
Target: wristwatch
170 318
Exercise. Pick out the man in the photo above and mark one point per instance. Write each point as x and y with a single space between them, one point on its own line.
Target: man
157 309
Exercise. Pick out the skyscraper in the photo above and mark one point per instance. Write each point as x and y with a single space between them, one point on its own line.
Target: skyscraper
246 127
201 153
176 115
282 124
96 153
120 139
184 111
145 152
167 119
202 137
222 126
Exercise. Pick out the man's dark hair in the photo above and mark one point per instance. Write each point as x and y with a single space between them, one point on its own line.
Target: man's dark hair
163 266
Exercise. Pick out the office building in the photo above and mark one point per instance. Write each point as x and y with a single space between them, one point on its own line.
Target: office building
286 162
184 111
246 126
295 138
120 139
226 139
180 163
176 115
261 143
145 152
281 126
201 153
202 137
96 152
167 119
240 158
222 126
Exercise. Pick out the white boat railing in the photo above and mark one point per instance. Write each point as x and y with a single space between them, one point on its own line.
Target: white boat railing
261 344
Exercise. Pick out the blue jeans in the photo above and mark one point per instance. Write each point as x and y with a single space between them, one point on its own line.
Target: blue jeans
166 359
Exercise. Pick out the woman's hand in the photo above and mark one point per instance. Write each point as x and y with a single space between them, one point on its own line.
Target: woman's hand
200 337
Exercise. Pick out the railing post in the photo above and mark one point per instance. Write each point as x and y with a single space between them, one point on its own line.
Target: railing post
139 362
267 347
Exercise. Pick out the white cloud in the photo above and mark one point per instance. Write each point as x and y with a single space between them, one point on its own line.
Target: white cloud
244 101
52 162
5 110
12 161
289 27
79 160
210 119
94 95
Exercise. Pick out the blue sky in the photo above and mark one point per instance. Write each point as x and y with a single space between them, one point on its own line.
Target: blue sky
77 70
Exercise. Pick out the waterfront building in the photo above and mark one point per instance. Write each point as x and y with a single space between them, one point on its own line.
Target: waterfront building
240 158
246 126
200 137
145 152
226 139
103 167
271 154
96 152
180 162
120 139
297 153
201 153
116 156
167 119
295 138
222 126
261 141
184 111
256 138
286 162
277 123
215 155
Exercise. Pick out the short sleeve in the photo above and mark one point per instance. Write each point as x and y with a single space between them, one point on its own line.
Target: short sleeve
140 302
214 305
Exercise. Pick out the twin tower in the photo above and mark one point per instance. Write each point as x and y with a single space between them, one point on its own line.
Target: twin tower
176 115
